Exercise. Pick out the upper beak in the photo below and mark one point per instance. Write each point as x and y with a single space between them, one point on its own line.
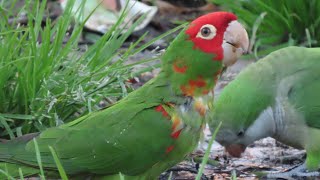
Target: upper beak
237 36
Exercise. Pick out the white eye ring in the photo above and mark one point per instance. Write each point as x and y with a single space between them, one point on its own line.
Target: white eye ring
207 32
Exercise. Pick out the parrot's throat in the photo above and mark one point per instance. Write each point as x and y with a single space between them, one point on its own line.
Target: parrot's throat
193 85
190 70
185 117
199 86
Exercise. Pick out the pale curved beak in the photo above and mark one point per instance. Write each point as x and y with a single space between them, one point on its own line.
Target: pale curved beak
235 43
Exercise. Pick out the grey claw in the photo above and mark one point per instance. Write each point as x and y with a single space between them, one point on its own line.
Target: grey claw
298 172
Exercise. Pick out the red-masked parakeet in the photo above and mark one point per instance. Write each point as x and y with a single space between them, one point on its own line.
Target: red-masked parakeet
154 127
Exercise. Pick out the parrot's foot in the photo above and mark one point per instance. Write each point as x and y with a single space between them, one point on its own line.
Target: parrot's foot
290 158
191 168
297 172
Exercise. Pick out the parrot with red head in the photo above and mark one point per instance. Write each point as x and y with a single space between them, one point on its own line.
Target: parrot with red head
154 127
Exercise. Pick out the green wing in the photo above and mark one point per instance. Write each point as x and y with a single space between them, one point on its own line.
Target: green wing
304 96
129 137
304 92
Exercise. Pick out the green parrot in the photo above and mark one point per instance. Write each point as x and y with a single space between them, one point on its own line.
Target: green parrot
150 130
274 97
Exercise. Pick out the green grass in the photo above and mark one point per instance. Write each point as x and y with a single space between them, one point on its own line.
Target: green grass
38 156
207 153
61 170
277 22
46 80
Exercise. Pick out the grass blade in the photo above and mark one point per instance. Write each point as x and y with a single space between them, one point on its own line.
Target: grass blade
207 153
6 173
20 174
17 116
38 156
121 177
7 127
170 176
61 170
160 37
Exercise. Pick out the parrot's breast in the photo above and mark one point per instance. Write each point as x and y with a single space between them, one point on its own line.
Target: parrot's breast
192 112
187 122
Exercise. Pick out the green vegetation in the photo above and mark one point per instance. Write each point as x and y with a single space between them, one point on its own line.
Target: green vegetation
277 22
46 79
207 153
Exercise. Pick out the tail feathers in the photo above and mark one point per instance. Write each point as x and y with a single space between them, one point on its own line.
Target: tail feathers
23 139
19 142
12 156
4 152
9 171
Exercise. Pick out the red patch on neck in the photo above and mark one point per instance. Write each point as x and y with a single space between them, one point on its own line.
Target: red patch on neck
205 91
200 82
220 20
187 90
176 134
169 149
175 122
163 111
179 69
192 85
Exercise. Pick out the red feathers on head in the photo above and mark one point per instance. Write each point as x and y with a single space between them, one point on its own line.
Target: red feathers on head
220 20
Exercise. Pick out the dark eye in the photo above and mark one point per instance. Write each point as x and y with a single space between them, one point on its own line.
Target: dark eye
240 133
205 32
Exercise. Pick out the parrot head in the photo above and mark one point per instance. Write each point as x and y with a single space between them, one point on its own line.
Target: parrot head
233 134
196 57
244 111
233 139
237 130
221 34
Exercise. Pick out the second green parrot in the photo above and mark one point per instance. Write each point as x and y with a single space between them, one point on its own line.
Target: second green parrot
276 97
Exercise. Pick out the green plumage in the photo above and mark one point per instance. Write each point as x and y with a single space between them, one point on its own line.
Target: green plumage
132 136
286 81
129 137
194 60
150 130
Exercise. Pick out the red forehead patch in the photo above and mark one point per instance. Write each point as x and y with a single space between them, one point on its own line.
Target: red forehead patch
220 20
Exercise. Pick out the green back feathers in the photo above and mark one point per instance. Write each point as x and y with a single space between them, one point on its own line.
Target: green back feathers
304 92
304 96
256 87
298 73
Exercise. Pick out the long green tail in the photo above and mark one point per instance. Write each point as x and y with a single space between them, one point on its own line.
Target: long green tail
9 168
